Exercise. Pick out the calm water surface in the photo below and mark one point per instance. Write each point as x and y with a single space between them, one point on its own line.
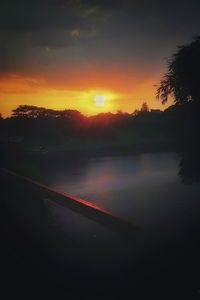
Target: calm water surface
143 189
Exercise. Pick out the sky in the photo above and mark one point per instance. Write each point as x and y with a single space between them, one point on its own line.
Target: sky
89 55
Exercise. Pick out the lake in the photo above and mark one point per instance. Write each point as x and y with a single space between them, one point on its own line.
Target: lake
144 189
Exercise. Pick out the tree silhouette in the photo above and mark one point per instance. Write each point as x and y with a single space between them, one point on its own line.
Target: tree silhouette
182 79
182 82
145 107
34 112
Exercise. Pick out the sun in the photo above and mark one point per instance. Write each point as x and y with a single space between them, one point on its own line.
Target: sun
100 99
97 101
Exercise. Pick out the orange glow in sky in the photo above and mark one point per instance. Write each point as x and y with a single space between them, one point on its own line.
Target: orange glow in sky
85 96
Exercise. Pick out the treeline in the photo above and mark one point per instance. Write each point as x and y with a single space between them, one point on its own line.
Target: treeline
33 136
33 126
37 129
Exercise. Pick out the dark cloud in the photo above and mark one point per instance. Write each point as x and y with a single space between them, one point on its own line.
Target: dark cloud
37 15
28 29
41 33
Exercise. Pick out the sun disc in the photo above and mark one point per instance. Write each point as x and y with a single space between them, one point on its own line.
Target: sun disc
100 99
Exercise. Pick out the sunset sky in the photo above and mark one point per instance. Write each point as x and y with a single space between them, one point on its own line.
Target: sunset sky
77 53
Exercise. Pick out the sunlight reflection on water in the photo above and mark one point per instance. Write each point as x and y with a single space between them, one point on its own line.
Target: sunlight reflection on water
144 189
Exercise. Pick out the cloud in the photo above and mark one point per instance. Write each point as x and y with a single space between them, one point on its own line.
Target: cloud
37 15
75 33
38 35
29 28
